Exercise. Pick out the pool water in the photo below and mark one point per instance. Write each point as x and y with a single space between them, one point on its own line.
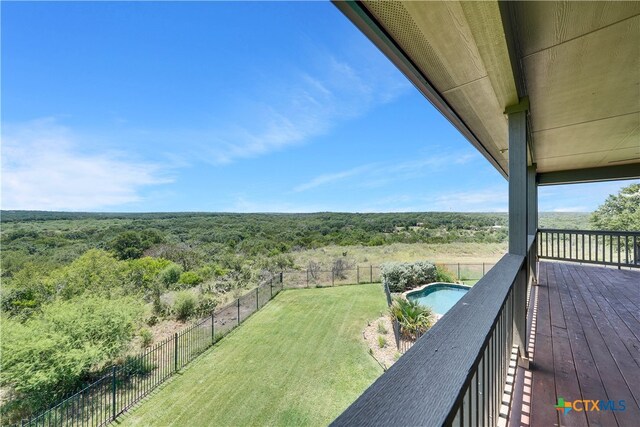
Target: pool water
439 296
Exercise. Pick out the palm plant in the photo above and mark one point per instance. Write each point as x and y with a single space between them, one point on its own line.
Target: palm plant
413 317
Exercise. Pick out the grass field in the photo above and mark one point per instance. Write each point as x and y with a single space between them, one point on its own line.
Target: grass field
301 360
405 252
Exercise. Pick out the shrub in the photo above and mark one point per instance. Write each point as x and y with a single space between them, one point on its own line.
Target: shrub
414 318
96 271
381 328
206 304
400 276
143 273
190 278
146 338
444 275
170 274
185 305
135 365
128 245
47 357
382 341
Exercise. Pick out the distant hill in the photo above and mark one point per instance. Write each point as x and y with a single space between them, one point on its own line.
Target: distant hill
567 220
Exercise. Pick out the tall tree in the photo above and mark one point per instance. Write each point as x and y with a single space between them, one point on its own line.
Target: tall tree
620 211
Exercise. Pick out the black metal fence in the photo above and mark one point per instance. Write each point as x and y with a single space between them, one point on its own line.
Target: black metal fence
467 272
126 383
315 278
618 248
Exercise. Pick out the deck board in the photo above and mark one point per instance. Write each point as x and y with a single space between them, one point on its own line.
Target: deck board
587 344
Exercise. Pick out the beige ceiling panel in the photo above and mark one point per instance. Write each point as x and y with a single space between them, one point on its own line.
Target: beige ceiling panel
590 137
589 78
487 119
576 161
485 23
543 24
590 160
437 38
621 156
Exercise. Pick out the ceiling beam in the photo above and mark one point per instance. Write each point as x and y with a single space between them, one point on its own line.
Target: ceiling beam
358 14
575 176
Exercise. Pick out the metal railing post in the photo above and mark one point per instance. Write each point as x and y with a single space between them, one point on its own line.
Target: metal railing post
370 273
113 392
257 299
238 311
271 283
175 352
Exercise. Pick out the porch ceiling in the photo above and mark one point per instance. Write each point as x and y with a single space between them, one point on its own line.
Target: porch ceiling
578 62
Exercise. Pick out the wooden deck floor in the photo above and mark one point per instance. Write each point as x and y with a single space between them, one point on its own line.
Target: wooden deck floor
585 345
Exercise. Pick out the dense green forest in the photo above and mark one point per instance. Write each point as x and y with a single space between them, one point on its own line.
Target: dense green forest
81 291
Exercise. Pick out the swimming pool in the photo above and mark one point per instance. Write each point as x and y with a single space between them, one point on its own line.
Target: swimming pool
439 296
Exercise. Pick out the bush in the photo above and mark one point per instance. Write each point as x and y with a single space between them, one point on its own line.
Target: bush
400 276
185 305
206 304
49 356
382 341
444 275
146 338
95 271
381 328
128 245
414 318
143 273
170 274
136 366
190 278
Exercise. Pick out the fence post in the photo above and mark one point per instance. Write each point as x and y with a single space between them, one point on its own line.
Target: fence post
332 277
113 392
213 327
483 273
238 311
358 274
271 283
175 352
257 299
307 277
370 273
282 277
458 271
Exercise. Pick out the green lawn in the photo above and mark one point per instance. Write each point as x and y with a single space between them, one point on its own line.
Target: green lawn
299 361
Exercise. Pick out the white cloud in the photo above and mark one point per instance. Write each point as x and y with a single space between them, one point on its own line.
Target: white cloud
45 168
486 200
306 105
379 174
331 178
242 204
571 209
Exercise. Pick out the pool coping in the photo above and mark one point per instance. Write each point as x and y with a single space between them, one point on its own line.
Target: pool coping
423 287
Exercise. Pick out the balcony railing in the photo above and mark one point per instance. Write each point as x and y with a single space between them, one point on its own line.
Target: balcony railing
455 374
620 248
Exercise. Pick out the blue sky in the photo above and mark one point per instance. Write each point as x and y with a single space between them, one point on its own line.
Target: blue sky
246 107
